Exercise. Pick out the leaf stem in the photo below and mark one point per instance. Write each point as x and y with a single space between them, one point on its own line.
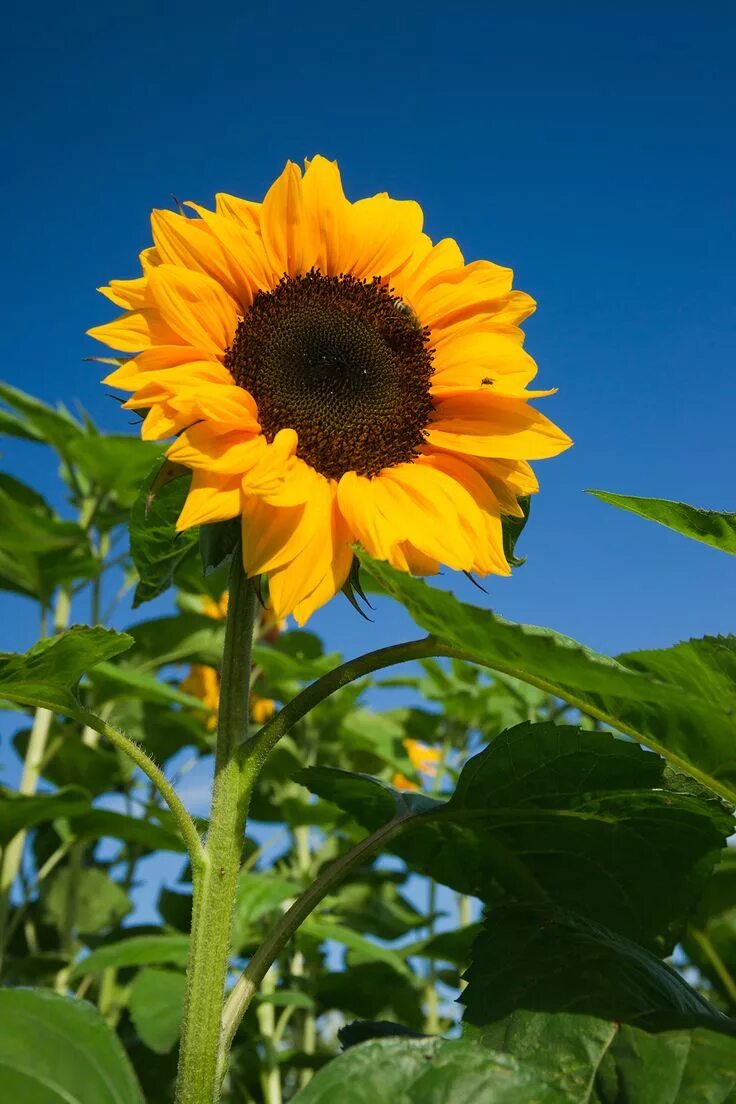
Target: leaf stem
134 751
215 882
247 984
718 965
257 749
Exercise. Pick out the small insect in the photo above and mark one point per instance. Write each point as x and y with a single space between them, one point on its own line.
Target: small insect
487 381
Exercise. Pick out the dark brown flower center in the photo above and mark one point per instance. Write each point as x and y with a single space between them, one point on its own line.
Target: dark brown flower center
341 361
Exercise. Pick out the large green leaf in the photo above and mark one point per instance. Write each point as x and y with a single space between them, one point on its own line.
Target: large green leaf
99 902
586 818
145 833
54 1050
156 1007
113 680
20 811
541 958
138 950
116 464
48 674
186 638
707 526
257 895
595 1061
364 949
155 545
640 694
29 526
39 421
426 1071
711 935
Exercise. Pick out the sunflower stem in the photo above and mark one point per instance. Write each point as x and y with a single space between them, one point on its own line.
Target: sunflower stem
198 1081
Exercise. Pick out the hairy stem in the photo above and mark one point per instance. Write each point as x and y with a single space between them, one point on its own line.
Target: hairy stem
259 747
134 751
198 1077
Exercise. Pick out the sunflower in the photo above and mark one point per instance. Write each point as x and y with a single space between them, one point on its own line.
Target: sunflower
332 377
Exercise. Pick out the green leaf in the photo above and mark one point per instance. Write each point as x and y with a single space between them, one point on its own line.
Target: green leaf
54 1050
99 902
155 545
20 811
711 938
364 949
512 528
542 958
217 541
47 674
186 638
72 762
584 817
117 465
113 680
425 1071
257 895
99 823
640 694
41 421
594 1061
156 1007
138 950
706 526
371 990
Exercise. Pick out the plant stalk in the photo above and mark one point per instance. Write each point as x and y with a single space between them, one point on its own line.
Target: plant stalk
247 984
199 1076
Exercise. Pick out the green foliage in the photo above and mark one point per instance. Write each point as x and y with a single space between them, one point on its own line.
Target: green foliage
54 1050
427 1071
48 674
593 857
546 810
640 694
157 549
156 1004
707 526
541 958
594 1061
98 902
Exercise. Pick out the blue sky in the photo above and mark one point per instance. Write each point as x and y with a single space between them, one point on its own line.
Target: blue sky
591 150
589 147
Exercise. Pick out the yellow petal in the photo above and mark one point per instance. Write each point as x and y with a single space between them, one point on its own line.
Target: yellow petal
482 524
244 211
211 498
195 307
232 453
288 228
384 234
490 425
189 243
250 267
136 330
427 266
329 215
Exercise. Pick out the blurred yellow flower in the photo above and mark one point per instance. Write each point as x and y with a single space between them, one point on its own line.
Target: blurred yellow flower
401 782
203 682
423 758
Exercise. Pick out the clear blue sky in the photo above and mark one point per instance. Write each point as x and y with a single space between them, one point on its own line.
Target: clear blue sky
589 147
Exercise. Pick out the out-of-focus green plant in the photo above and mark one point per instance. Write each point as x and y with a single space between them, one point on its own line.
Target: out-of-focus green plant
541 833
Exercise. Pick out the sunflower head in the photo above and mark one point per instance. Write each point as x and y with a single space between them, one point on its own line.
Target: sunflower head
332 377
